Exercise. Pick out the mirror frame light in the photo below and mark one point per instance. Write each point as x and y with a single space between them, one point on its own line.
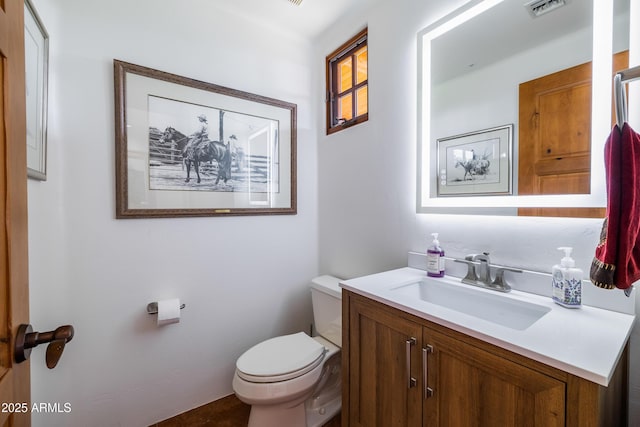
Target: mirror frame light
600 123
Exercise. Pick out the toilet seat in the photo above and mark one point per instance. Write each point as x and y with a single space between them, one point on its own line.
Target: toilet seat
280 359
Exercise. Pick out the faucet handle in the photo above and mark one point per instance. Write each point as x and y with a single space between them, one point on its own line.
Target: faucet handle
471 278
484 256
477 257
500 283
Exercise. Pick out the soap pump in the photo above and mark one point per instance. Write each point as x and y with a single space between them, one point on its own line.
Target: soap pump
435 258
567 281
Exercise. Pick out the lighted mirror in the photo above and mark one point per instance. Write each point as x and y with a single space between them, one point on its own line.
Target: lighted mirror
498 80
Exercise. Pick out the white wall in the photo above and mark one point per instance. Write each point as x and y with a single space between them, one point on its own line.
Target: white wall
243 279
367 174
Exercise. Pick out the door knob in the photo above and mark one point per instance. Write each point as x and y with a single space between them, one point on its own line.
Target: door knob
26 339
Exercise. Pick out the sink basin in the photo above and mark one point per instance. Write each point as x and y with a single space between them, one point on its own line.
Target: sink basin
498 308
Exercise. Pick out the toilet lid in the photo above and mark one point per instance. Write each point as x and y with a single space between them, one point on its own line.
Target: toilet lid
280 358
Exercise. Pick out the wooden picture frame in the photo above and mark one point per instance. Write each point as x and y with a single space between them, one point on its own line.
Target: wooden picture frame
190 148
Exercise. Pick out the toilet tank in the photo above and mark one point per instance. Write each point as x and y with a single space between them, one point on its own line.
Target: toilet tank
326 297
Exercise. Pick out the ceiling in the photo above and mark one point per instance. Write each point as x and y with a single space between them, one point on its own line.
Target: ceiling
309 19
502 32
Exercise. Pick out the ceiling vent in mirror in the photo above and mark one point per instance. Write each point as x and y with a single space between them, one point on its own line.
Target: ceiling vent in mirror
296 2
540 7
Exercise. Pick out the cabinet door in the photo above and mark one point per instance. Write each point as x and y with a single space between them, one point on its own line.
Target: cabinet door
384 390
472 387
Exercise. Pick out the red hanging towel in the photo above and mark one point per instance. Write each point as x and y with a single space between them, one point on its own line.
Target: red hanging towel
617 260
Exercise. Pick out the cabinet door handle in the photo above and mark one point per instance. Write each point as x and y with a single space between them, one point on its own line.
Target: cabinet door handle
411 382
428 391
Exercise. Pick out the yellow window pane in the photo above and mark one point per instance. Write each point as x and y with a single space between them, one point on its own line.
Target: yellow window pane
344 107
345 72
361 67
362 101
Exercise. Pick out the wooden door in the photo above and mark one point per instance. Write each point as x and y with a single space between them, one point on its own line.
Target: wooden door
381 393
14 298
554 138
474 388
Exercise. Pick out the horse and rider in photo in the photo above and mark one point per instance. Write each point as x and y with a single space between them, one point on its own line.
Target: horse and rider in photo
198 148
201 149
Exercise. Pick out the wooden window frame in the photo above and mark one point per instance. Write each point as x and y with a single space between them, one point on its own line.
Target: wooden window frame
332 60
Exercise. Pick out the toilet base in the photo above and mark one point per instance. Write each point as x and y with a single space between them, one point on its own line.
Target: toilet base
317 417
268 416
326 401
302 415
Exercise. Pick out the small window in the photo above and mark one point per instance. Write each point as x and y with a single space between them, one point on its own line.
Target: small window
348 84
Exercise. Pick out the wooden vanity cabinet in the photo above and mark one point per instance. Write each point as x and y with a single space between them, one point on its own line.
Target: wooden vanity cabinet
401 370
473 387
376 386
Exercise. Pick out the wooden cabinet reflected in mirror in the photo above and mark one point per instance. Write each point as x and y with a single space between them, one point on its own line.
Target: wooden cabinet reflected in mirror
555 137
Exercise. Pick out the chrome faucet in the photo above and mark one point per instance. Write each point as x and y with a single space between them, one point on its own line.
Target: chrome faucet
479 272
484 269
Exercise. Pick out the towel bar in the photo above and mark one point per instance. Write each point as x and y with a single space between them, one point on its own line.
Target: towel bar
619 95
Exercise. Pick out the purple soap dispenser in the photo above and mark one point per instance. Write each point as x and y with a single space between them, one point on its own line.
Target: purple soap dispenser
435 258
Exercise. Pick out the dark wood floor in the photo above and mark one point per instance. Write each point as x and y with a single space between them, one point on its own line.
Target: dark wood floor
225 412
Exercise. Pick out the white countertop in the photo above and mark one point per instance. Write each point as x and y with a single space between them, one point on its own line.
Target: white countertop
586 342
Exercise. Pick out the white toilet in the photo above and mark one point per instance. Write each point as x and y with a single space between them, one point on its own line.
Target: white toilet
294 380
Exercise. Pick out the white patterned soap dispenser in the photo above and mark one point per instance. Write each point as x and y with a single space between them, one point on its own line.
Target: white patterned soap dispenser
567 281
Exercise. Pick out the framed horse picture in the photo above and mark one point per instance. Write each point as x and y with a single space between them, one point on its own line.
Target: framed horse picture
476 163
189 148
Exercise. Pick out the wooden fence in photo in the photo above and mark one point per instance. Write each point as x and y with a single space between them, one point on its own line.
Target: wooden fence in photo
165 160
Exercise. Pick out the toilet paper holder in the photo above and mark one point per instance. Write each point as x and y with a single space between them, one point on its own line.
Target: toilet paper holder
152 307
